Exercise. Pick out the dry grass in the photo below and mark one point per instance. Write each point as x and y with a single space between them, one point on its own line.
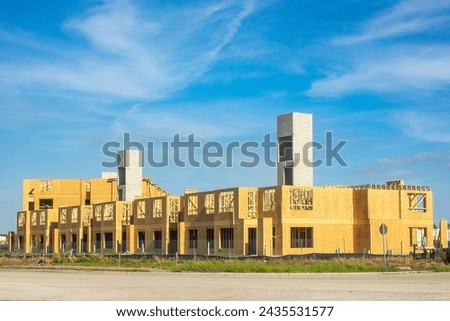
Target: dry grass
225 265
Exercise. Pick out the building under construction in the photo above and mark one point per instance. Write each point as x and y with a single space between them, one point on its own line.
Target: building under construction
125 212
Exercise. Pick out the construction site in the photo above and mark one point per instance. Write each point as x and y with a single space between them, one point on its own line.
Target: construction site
124 212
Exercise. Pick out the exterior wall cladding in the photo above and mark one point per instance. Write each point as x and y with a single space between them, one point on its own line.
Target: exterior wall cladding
83 216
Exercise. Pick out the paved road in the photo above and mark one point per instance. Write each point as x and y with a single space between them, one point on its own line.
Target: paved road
162 286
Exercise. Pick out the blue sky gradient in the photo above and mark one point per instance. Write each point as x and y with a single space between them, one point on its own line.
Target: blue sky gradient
74 75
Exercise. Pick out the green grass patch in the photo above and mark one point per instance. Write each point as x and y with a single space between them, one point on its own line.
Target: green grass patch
234 266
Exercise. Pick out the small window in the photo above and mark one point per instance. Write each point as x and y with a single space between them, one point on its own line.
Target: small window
108 241
20 244
34 218
42 218
226 204
98 241
210 239
87 216
227 238
157 208
417 202
193 239
209 204
22 219
45 204
98 213
141 209
301 237
141 240
74 241
126 214
301 199
157 239
63 242
33 241
74 215
192 205
269 200
108 212
63 216
252 204
173 218
416 235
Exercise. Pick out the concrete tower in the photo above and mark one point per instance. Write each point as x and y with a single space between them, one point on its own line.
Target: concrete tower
294 132
130 174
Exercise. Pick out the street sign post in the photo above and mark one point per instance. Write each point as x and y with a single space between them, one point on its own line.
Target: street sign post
383 231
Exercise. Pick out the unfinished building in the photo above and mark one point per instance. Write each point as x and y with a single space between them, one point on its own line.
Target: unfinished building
128 213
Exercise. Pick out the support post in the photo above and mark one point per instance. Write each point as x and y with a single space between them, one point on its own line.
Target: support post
384 251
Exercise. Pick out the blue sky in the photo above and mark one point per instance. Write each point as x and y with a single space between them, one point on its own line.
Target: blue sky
74 75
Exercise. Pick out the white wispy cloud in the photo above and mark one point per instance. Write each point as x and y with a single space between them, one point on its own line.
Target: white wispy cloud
402 19
206 119
132 53
395 65
418 158
399 69
423 167
431 126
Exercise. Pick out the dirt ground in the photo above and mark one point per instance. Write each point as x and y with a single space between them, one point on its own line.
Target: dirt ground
35 284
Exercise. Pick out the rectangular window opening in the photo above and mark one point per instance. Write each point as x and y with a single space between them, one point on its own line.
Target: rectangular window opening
108 212
192 204
46 203
193 239
109 241
226 200
63 242
141 209
74 215
157 235
301 237
227 238
74 241
98 241
98 213
209 203
301 199
252 204
417 202
210 239
20 243
141 240
269 200
157 208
